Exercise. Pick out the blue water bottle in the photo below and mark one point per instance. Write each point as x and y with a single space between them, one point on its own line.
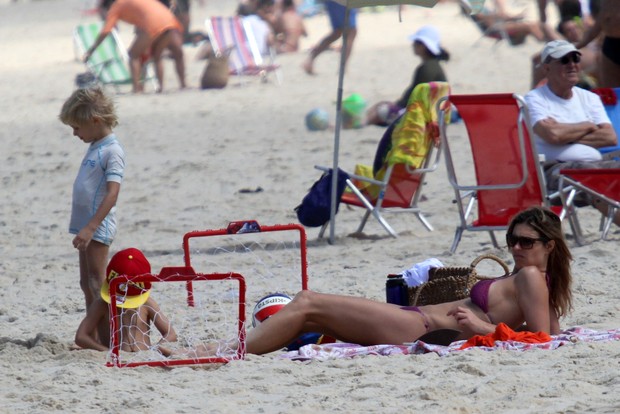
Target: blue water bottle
396 290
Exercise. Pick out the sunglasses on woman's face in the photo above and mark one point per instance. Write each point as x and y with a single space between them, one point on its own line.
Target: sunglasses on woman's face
571 57
526 243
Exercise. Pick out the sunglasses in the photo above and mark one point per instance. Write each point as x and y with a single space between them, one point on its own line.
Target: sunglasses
571 57
526 243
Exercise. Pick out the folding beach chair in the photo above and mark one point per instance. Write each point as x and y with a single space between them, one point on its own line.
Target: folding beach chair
404 156
109 62
234 36
609 97
603 184
508 173
497 30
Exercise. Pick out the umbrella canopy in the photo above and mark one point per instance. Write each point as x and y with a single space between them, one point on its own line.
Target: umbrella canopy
351 4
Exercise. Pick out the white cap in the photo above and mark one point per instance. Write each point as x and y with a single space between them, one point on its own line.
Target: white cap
557 49
429 36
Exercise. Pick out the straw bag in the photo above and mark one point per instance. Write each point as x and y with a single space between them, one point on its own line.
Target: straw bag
216 73
447 284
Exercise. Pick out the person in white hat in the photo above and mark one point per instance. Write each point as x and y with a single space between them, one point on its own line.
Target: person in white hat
426 45
569 123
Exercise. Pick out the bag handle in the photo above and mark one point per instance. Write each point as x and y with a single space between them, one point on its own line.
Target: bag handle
491 257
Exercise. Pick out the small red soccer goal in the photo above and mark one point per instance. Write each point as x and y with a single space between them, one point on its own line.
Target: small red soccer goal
208 300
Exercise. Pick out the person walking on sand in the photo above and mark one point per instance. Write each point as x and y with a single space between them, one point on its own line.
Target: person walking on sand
158 30
336 17
92 116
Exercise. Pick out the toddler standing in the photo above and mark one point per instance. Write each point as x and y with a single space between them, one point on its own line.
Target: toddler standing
91 114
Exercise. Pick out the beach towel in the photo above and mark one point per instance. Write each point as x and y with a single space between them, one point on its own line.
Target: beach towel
412 135
339 350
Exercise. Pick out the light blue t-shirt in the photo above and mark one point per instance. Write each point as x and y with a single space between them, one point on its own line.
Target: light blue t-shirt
582 106
104 161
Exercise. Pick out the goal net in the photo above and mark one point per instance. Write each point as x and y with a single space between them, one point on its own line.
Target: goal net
208 297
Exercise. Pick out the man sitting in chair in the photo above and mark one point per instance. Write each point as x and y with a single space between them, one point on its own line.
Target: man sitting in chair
569 123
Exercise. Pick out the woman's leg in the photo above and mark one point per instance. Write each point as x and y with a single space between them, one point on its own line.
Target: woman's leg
171 40
140 45
346 318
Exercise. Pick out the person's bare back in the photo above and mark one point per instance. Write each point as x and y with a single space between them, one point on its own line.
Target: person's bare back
291 28
609 17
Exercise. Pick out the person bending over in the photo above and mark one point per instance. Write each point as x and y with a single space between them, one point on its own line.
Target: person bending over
157 30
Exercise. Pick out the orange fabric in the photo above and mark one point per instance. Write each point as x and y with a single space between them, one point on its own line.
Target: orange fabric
151 16
504 333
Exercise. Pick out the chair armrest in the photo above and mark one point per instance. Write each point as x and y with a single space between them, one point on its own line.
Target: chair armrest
354 176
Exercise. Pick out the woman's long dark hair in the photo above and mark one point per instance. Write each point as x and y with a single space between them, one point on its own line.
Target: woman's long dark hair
549 227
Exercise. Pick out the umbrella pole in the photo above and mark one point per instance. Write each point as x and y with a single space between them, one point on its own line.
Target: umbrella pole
338 127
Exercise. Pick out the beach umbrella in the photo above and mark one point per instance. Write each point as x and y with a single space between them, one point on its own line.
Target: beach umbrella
353 4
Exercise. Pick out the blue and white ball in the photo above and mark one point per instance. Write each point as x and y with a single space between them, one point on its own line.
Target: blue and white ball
317 120
268 306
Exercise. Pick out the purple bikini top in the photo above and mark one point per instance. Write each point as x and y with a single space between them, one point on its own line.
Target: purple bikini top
479 294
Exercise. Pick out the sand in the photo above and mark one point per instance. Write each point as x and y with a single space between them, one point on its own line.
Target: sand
188 154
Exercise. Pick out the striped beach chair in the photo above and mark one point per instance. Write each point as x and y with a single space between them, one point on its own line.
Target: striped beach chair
230 35
110 61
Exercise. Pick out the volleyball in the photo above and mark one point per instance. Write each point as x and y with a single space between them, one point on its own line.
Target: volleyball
317 120
267 306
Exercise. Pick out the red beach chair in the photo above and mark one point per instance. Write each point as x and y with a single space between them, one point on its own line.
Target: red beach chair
508 174
603 184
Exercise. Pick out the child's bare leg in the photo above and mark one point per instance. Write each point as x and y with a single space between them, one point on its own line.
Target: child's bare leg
96 257
139 46
85 279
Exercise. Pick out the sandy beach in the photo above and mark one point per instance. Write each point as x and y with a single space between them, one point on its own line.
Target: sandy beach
191 156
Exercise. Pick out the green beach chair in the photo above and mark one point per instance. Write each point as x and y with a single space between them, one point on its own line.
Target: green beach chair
109 62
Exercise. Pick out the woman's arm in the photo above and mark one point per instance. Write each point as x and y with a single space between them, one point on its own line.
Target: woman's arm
533 299
467 319
554 322
591 33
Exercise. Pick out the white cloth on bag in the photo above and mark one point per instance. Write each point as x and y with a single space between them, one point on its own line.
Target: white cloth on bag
418 273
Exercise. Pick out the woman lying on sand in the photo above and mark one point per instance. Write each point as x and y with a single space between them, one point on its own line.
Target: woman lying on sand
536 293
